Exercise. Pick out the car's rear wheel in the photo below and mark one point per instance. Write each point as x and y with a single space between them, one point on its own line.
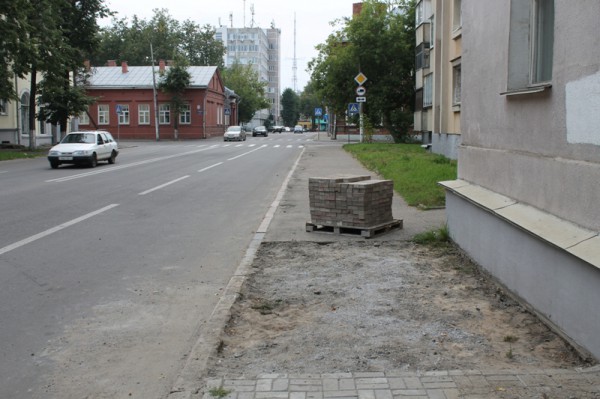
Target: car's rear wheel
54 164
112 158
93 161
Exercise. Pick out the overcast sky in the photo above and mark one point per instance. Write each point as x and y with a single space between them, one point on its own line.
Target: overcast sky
312 22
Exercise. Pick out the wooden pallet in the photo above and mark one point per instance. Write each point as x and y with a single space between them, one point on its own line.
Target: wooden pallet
367 232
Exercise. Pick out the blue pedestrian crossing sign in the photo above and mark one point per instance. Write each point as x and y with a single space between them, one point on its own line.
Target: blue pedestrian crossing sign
119 109
318 111
353 108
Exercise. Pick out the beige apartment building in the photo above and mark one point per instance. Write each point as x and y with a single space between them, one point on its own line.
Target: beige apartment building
438 74
14 119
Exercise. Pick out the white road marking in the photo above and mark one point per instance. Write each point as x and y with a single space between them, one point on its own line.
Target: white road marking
249 152
129 165
43 234
210 167
163 185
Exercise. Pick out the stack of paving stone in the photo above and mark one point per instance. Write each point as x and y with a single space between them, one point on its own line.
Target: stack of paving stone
350 201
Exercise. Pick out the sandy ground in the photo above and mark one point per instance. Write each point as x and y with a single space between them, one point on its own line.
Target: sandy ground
370 306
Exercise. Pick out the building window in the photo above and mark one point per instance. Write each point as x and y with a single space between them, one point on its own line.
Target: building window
3 107
124 115
144 114
457 15
422 56
432 31
456 76
164 114
530 45
103 117
428 90
84 118
542 32
185 114
419 100
423 11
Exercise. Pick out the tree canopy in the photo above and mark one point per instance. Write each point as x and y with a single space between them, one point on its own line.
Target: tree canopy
130 41
51 37
290 107
379 42
174 82
244 80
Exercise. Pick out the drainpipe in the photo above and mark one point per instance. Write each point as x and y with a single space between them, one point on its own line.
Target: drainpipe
204 113
441 72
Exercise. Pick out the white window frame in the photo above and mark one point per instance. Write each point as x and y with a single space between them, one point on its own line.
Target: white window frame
428 90
143 114
124 115
423 12
3 107
103 114
185 115
542 34
530 48
164 114
456 83
457 15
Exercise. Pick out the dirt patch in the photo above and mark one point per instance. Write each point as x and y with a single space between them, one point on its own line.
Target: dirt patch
372 306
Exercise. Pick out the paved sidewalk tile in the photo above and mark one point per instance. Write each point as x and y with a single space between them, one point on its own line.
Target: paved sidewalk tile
454 384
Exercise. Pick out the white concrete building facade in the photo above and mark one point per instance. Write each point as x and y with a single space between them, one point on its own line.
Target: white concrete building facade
261 49
525 204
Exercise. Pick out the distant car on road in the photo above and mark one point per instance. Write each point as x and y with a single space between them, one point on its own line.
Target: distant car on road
260 130
234 133
298 129
278 129
86 147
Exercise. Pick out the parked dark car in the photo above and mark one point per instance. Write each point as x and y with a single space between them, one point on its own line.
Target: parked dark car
260 130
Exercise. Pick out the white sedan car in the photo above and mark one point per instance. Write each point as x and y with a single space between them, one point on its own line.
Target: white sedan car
84 148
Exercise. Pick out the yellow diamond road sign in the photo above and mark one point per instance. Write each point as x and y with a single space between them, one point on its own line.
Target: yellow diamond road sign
360 78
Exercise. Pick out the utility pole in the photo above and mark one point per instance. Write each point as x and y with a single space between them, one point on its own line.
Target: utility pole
154 95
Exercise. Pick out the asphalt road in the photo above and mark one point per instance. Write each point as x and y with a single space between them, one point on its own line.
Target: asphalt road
108 274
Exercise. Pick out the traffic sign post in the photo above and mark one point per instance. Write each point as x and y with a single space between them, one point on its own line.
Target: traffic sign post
360 92
318 111
353 108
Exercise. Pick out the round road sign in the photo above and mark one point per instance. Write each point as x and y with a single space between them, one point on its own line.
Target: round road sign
361 91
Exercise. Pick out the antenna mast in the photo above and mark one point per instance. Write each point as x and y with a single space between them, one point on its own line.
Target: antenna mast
244 14
252 12
295 65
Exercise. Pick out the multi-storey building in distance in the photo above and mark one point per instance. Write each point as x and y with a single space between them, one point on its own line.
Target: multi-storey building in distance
261 49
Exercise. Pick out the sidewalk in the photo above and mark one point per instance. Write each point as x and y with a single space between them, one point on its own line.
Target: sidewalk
331 161
288 224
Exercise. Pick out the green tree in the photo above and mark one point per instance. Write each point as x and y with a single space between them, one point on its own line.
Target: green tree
244 80
61 94
378 42
16 49
309 100
130 41
290 107
175 81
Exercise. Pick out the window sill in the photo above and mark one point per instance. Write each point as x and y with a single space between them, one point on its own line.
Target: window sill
456 108
527 90
457 32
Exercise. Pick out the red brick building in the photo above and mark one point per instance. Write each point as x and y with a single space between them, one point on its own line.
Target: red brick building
125 105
